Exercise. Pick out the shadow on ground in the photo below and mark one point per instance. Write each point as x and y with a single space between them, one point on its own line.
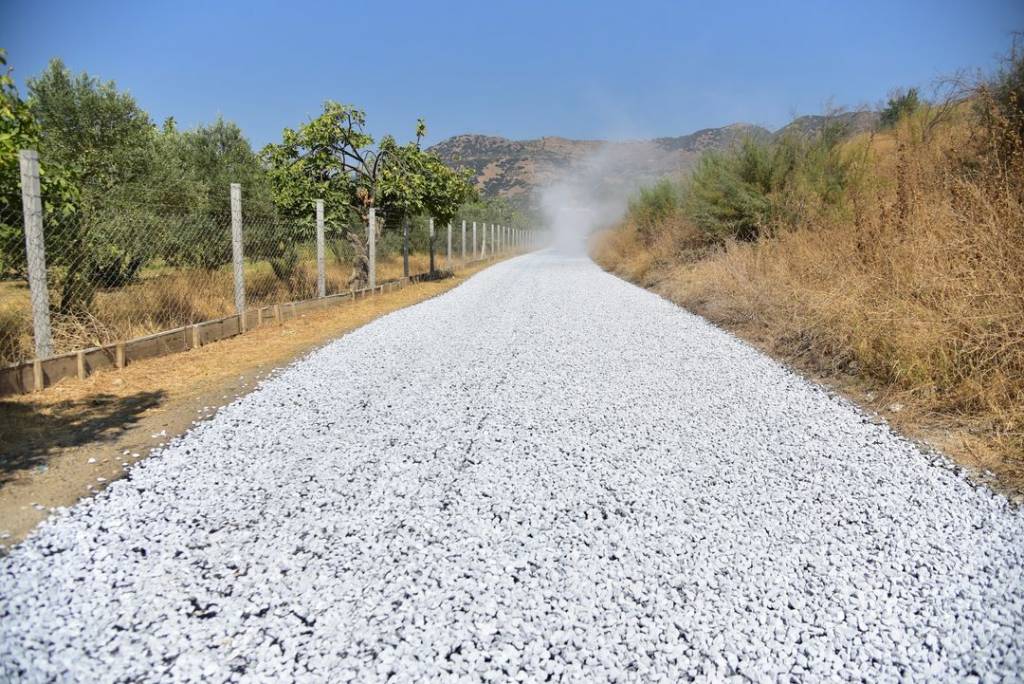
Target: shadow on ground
31 433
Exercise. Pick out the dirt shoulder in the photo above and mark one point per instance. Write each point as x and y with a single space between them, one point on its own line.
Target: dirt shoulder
71 440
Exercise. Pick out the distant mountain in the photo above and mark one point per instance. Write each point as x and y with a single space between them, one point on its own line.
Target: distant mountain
514 168
852 123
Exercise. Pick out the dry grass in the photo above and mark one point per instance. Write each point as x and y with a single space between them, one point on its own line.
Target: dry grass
167 299
15 323
913 300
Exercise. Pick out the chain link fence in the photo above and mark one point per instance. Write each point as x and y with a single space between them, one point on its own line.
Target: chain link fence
16 342
127 265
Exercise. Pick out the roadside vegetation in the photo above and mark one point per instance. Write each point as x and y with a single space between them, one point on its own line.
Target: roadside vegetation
137 214
891 262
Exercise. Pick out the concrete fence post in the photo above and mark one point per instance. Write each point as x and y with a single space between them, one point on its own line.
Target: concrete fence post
463 240
483 242
448 254
237 254
371 246
321 273
35 251
474 239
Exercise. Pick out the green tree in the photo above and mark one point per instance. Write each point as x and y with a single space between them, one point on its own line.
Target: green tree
403 184
97 133
446 191
328 158
488 209
333 158
104 142
191 181
901 103
19 130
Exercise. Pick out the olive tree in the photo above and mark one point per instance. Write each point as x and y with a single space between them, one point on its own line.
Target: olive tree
103 142
191 181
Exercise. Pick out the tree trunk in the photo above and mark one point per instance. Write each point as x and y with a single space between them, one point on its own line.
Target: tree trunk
431 254
405 246
360 263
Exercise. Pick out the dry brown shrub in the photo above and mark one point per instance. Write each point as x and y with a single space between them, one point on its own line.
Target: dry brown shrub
15 334
639 256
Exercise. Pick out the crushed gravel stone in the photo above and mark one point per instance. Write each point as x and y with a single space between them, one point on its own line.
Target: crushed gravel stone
543 472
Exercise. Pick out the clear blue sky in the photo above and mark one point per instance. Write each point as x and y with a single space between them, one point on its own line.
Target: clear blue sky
517 69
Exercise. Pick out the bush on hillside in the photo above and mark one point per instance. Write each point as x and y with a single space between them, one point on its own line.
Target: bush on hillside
763 186
653 205
901 103
729 193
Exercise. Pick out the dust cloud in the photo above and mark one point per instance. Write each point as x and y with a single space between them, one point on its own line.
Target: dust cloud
592 194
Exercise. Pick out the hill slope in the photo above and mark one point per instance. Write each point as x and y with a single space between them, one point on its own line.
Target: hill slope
513 168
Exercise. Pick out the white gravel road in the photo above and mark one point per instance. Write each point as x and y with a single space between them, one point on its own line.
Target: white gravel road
545 472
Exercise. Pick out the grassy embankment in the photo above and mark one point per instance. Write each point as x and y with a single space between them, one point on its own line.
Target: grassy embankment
890 264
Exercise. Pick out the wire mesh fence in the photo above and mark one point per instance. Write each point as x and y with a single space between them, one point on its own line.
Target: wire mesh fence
16 341
129 263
